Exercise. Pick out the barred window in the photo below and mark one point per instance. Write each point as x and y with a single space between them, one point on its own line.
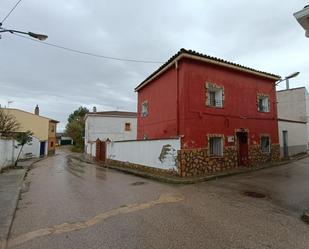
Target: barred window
215 146
214 96
144 112
265 144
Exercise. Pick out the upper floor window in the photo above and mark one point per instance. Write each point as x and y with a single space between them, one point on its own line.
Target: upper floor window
263 103
127 127
214 95
215 146
144 111
52 129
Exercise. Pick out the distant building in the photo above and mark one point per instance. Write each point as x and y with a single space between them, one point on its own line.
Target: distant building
43 128
293 117
62 139
225 113
112 125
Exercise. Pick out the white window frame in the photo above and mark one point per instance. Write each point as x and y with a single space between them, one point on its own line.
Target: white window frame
264 107
218 150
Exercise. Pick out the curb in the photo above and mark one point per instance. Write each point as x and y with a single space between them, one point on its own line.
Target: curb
180 180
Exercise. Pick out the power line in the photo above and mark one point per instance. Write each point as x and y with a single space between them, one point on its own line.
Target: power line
88 53
10 12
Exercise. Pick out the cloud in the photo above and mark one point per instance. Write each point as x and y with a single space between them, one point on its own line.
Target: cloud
262 34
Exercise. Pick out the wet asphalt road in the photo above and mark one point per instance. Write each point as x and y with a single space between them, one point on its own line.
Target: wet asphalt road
82 206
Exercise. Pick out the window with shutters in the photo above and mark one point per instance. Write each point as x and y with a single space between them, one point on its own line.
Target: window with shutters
215 146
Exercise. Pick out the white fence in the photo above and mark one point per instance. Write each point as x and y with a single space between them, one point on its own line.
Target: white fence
9 151
154 153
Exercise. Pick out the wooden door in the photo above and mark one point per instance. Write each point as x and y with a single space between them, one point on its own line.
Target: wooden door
242 138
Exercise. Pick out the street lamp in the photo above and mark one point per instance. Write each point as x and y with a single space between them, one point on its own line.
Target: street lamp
34 35
302 17
286 79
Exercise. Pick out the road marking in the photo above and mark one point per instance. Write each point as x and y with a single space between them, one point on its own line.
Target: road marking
69 227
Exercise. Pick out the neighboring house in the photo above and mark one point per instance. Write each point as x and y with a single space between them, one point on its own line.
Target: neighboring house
62 139
225 113
43 128
293 117
112 125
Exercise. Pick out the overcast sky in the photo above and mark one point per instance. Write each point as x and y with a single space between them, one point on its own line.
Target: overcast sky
263 35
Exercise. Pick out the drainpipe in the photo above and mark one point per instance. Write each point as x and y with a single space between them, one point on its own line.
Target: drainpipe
177 97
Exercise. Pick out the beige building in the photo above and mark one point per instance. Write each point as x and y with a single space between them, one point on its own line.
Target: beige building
43 128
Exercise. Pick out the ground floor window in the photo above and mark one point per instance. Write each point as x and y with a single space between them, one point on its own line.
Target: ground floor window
265 144
215 146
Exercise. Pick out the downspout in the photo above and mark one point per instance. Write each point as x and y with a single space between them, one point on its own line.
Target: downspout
177 97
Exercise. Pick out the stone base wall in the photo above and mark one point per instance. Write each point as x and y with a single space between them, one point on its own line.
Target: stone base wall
196 162
140 167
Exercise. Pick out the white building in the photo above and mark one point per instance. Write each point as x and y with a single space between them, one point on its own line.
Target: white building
293 117
112 125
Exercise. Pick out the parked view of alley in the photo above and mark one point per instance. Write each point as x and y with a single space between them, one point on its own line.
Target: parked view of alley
80 205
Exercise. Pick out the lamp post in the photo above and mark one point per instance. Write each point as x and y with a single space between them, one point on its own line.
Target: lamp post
40 37
286 79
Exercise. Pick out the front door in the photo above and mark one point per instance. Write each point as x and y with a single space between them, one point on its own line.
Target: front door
285 144
242 139
42 149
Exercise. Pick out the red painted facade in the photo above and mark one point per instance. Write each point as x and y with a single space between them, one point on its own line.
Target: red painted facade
177 104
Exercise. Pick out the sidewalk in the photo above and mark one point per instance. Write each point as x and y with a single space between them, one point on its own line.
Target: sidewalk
175 179
11 183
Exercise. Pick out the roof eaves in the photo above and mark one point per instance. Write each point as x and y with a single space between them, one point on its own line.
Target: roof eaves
205 58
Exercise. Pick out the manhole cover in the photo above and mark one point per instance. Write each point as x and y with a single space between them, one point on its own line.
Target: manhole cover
254 194
138 183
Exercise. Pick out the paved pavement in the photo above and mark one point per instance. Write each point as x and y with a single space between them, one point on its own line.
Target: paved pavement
10 186
79 205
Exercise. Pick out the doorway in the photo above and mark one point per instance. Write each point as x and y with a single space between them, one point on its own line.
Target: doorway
285 144
242 138
42 149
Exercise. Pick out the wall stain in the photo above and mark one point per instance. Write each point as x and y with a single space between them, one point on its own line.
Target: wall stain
69 227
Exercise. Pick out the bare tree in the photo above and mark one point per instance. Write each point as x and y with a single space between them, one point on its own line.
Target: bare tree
8 123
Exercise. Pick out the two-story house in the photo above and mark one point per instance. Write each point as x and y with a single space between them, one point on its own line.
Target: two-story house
43 128
111 125
224 113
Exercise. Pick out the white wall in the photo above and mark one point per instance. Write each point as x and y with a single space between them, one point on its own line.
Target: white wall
9 151
155 153
297 136
107 127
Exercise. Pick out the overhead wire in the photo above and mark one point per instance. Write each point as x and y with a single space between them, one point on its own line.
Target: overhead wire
10 12
88 53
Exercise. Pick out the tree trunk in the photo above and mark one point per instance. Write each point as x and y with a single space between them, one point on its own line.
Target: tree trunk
18 155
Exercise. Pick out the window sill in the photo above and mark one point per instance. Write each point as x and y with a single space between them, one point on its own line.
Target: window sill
215 156
216 107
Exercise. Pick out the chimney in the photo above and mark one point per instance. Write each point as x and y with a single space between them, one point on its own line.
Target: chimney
94 109
37 110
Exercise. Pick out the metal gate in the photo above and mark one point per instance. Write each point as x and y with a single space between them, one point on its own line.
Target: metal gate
100 150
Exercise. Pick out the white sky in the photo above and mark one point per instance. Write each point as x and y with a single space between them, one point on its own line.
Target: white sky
263 35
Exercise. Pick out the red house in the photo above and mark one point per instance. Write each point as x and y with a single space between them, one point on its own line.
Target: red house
224 113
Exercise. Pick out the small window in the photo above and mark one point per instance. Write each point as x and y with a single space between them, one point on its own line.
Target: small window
263 104
215 146
265 144
144 112
127 127
51 144
52 128
214 96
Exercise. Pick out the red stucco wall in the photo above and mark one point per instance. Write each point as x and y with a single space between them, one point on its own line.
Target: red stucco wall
196 120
